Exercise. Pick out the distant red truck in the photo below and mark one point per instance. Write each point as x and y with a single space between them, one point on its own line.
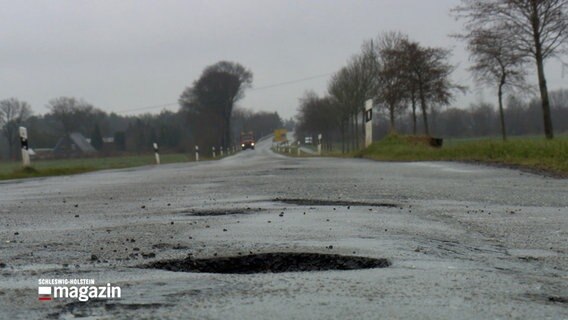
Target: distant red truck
247 140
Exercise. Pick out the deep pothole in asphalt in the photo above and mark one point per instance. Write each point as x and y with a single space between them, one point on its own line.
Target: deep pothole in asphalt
345 203
270 263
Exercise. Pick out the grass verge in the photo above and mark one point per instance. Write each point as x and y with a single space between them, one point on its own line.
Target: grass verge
544 156
44 168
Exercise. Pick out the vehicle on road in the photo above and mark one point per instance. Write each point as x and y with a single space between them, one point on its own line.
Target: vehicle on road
247 140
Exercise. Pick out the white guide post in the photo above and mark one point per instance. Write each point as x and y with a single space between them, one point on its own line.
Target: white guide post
24 146
156 153
319 144
368 122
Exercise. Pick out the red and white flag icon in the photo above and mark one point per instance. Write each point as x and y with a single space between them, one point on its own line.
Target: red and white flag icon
44 293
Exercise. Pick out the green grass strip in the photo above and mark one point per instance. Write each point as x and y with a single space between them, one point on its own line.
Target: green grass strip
57 167
538 154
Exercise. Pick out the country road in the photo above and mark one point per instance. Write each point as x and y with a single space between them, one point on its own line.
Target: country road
463 241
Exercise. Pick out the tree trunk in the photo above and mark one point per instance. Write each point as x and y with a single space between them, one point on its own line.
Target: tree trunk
414 130
356 130
424 108
547 117
227 137
501 113
391 114
363 128
342 136
351 133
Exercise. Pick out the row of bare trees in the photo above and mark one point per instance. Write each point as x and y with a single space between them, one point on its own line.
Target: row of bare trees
482 118
392 70
505 36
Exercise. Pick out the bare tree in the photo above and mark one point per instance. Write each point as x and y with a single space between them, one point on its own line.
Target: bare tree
410 56
392 84
495 62
13 113
351 87
341 88
72 114
427 76
364 70
536 29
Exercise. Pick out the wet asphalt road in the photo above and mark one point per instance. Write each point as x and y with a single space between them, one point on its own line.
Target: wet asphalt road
465 241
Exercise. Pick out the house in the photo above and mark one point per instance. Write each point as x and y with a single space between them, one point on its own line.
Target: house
73 145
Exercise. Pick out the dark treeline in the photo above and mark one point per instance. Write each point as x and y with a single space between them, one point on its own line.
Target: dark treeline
206 118
483 119
260 123
119 134
477 120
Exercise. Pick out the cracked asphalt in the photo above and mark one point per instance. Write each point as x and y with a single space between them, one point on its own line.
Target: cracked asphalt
465 241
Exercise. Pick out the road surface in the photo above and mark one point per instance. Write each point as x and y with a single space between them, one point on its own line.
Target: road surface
464 241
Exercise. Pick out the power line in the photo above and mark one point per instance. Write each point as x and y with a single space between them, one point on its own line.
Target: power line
149 107
280 84
292 81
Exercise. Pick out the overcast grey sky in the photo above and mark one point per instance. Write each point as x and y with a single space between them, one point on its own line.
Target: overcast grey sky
124 55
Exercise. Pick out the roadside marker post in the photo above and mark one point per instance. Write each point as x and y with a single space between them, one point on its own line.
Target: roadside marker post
156 153
196 153
24 147
213 148
298 147
221 150
319 144
368 122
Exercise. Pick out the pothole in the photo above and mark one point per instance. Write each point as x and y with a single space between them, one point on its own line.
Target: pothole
219 212
288 168
558 299
319 202
270 263
547 298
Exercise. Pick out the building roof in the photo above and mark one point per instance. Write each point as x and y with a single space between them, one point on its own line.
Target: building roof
74 142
